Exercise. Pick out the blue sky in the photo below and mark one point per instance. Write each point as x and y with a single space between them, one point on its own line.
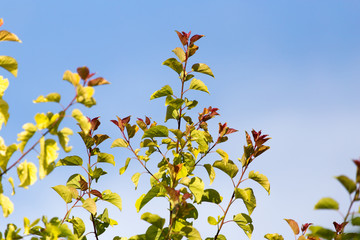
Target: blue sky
290 68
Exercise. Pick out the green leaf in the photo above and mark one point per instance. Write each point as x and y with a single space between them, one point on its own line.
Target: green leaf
224 155
74 181
112 198
67 193
145 198
179 52
197 84
196 187
51 97
4 84
348 184
63 136
47 157
212 221
211 195
70 161
245 223
211 172
6 204
106 157
4 112
9 151
273 236
202 68
24 137
123 169
27 174
156 131
78 226
119 143
11 181
73 78
355 221
327 203
321 232
84 96
174 64
9 64
199 137
247 195
42 121
229 168
163 92
8 36
261 179
171 113
135 179
90 205
83 121
153 219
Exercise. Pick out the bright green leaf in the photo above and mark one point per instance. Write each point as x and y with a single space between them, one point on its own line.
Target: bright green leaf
123 169
145 198
63 136
179 52
153 219
42 121
74 181
261 179
6 204
119 143
174 64
47 157
83 122
224 155
9 151
355 221
322 232
70 161
348 184
9 64
11 181
24 137
73 78
229 168
247 195
199 137
191 233
84 96
212 221
112 198
163 92
27 174
90 205
197 84
78 226
245 223
196 187
65 192
106 157
202 68
51 97
135 179
273 236
327 203
156 131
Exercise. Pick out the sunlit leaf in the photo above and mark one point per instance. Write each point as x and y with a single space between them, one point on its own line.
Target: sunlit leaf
98 81
106 157
174 64
6 154
247 195
245 223
23 137
202 68
123 169
199 137
294 226
47 157
10 64
73 78
74 181
51 97
261 179
327 203
211 195
112 198
11 181
84 96
65 192
212 221
83 121
63 136
78 226
196 187
223 154
348 183
153 219
179 52
70 161
90 205
4 112
6 204
8 36
135 179
27 174
191 233
229 168
322 232
145 198
42 121
156 131
163 92
197 84
4 84
273 236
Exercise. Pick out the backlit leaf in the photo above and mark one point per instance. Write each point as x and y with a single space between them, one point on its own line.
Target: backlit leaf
211 172
174 64
123 169
179 52
247 195
153 219
245 223
135 179
212 221
51 97
163 92
156 131
294 226
229 168
23 137
273 236
322 232
4 112
106 157
73 78
70 161
202 68
6 204
90 205
10 64
63 136
348 184
261 179
4 84
47 157
11 181
83 121
8 36
145 198
197 84
65 192
78 226
191 233
211 195
6 154
74 181
98 81
199 137
112 198
196 187
84 96
223 154
42 121
27 173
327 203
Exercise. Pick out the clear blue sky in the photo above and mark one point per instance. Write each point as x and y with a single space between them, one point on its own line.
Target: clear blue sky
290 68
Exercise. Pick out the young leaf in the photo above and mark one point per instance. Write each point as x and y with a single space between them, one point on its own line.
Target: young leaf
8 36
348 184
179 52
229 168
212 221
106 157
163 92
210 170
197 84
247 195
202 68
27 174
97 82
84 96
9 64
6 204
47 157
153 219
261 179
156 131
83 72
73 78
294 226
196 187
174 65
90 205
327 203
245 223
65 192
112 198
83 121
70 161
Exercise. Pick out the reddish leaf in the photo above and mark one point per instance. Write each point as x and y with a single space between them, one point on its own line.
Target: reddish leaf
248 138
304 227
1 22
339 227
195 38
182 38
294 226
83 185
147 120
97 81
186 196
126 120
83 72
96 193
95 123
231 130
